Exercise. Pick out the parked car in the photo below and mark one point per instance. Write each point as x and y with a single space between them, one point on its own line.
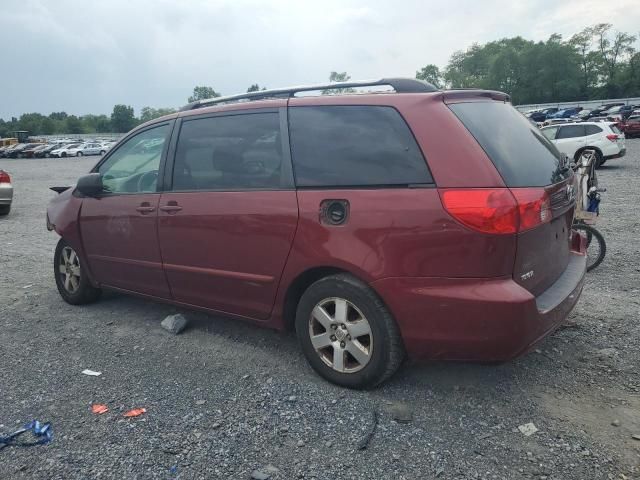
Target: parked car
47 149
566 113
422 222
603 137
6 193
599 111
16 152
631 126
94 149
541 115
30 150
583 114
64 150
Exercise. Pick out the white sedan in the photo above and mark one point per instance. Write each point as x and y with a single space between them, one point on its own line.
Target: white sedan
65 151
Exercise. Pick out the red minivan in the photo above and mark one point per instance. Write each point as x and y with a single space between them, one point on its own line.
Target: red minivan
417 222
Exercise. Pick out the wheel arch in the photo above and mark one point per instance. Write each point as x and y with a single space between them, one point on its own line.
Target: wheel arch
582 149
304 280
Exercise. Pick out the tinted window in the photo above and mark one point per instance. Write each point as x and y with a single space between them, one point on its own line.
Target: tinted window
133 167
592 129
520 153
354 146
571 131
615 129
230 153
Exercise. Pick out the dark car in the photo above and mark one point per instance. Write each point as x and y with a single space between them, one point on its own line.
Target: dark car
17 151
45 152
600 111
541 115
418 222
31 150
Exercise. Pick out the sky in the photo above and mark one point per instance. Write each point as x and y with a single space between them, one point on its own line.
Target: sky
84 56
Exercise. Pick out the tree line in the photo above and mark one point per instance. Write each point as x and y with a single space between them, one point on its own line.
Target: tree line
595 63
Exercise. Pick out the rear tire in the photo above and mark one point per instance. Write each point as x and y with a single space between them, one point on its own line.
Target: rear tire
4 210
338 315
101 152
72 282
596 246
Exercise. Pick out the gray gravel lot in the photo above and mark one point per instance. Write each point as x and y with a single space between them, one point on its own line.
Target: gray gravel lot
224 398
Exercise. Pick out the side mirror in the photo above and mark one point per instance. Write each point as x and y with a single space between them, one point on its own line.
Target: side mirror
90 185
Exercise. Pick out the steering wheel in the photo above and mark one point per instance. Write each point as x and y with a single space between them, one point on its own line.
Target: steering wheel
147 180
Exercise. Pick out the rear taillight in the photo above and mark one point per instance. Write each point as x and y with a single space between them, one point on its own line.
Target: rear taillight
534 207
498 210
613 137
4 177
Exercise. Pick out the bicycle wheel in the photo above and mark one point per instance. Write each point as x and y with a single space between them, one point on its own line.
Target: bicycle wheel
596 246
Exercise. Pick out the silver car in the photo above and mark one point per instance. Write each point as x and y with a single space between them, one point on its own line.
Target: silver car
6 192
94 149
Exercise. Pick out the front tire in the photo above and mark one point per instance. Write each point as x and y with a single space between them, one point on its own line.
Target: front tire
4 210
347 334
72 282
101 152
79 154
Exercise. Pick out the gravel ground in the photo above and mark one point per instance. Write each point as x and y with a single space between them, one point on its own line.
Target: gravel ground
224 398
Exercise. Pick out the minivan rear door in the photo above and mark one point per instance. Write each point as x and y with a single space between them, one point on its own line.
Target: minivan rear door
229 211
527 162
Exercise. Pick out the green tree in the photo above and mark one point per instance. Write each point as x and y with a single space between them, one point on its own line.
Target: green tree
122 118
338 77
431 73
149 113
73 125
202 93
254 88
612 52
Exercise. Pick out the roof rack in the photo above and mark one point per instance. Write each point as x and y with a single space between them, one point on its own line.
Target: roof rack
400 85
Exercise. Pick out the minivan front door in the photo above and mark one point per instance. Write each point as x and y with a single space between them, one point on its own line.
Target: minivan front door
227 225
119 228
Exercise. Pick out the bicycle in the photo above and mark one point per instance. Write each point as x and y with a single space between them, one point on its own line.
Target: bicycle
588 208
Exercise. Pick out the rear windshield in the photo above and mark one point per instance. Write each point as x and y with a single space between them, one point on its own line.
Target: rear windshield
520 153
615 129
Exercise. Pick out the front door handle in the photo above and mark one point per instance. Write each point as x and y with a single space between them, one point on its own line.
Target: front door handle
171 207
145 207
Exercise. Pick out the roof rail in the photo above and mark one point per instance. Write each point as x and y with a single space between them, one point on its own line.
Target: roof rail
400 85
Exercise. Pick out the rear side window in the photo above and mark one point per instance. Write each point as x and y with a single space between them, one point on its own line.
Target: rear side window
571 131
233 152
340 146
520 153
592 129
615 129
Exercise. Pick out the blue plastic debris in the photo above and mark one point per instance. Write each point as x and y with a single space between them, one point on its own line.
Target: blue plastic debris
42 431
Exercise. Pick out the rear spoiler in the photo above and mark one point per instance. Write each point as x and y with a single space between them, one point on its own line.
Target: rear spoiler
59 190
462 94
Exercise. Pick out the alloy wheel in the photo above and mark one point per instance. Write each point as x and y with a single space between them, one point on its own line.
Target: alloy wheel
341 335
69 270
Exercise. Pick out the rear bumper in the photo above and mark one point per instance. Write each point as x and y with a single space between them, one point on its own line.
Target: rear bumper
6 193
620 154
478 319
